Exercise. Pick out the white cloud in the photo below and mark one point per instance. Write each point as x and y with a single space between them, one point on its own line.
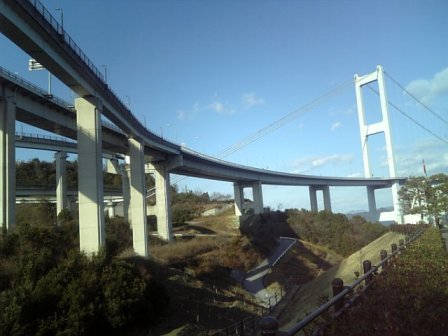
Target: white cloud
427 90
432 151
190 113
182 115
336 125
219 108
251 100
310 163
216 106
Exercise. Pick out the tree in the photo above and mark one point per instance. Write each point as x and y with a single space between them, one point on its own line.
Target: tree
427 196
412 196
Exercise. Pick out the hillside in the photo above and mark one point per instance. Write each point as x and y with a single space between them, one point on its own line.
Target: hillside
184 288
410 299
309 296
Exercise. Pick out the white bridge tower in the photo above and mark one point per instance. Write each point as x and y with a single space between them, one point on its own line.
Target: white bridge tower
376 128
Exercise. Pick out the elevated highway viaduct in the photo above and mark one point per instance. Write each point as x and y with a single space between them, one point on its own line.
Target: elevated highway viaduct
32 28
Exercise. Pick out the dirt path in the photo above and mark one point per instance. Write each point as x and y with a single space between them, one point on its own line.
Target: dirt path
254 281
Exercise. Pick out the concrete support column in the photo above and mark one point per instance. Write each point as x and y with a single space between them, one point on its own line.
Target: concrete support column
163 201
239 199
61 181
7 159
372 203
397 206
257 193
327 198
90 175
125 173
138 197
313 198
111 209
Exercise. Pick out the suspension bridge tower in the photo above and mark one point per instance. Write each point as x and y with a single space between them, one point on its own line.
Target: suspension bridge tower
367 130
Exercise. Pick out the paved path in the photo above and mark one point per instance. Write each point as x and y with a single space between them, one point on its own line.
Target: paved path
254 283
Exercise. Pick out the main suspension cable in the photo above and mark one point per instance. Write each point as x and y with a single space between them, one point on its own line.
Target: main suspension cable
278 124
412 119
283 121
416 99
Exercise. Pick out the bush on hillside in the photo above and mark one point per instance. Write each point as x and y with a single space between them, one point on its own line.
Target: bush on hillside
43 213
336 231
263 230
118 235
47 286
187 205
409 299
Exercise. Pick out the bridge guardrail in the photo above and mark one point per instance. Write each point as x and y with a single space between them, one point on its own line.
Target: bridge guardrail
270 326
54 24
33 87
44 93
53 27
44 136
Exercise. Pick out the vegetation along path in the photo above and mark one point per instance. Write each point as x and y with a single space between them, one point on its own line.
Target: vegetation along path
254 281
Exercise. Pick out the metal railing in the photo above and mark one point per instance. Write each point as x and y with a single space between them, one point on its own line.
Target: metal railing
53 27
33 87
21 135
39 91
270 326
294 241
57 27
247 326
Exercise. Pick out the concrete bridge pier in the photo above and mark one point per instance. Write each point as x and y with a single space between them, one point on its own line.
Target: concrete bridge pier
138 197
110 208
7 158
90 174
372 203
326 197
257 194
61 181
126 185
163 200
239 199
113 167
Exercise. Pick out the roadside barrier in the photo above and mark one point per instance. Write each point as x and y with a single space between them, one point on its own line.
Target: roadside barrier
270 326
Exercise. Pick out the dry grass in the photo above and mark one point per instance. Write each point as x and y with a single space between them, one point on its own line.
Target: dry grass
307 298
182 250
224 223
303 263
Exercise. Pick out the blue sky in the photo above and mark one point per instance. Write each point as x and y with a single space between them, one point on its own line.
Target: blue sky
207 74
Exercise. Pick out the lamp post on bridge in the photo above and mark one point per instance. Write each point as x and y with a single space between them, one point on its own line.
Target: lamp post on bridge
105 72
62 18
34 65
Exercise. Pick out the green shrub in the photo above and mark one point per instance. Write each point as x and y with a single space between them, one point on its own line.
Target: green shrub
61 291
336 231
410 298
118 235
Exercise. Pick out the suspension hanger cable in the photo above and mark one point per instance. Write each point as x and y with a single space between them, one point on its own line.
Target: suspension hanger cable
416 99
283 121
278 124
412 119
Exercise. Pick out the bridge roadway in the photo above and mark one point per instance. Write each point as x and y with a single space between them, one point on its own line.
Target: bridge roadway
54 115
32 28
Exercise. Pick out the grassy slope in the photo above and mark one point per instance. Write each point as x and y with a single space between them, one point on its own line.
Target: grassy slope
303 263
410 299
203 296
308 297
